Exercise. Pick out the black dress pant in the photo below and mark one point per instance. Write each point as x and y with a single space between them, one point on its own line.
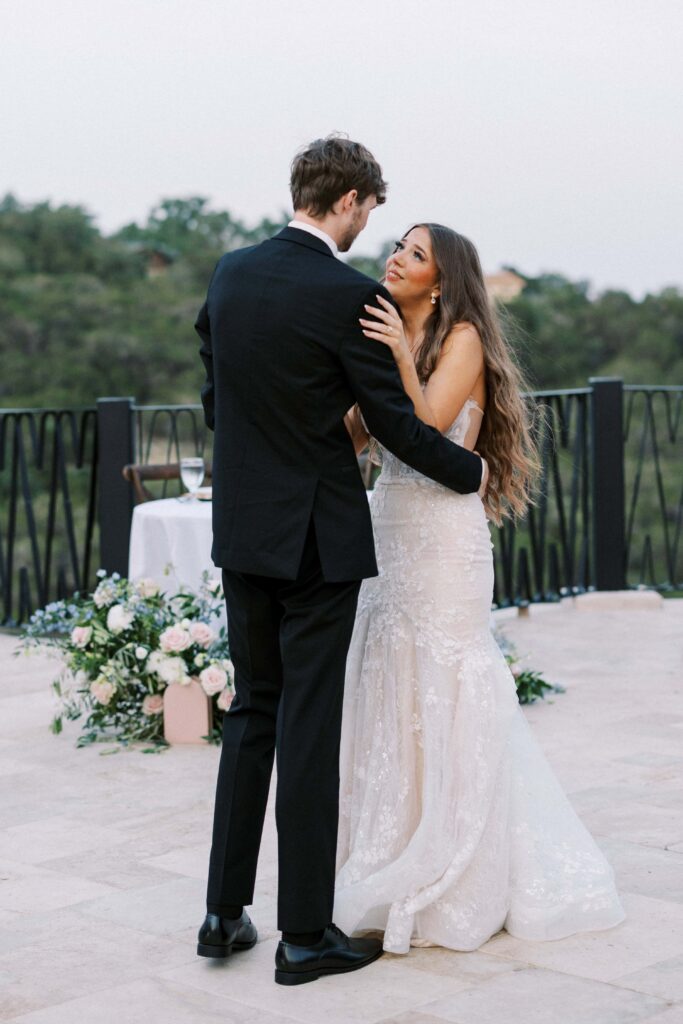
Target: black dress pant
288 642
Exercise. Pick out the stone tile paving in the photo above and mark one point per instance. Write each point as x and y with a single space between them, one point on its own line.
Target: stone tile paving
103 861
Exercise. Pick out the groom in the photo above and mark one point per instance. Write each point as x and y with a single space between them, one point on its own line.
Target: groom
285 359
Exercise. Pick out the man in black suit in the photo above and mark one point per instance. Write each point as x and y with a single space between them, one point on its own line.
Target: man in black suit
285 359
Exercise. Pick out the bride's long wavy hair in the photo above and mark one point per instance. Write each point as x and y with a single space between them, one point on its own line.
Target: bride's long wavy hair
506 439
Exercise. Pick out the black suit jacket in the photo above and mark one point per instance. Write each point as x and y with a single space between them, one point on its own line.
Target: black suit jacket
285 359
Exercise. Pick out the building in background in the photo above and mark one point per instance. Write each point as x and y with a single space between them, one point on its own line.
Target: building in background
504 284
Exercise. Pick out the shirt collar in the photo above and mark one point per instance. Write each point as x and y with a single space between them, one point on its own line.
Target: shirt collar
303 226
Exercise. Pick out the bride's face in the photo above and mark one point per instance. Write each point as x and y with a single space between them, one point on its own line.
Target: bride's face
411 272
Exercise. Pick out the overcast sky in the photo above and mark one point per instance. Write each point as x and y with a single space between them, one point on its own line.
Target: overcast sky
548 132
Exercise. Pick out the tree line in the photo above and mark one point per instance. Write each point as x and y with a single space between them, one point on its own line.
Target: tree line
84 314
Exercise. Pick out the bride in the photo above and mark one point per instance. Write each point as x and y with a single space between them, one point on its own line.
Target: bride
452 823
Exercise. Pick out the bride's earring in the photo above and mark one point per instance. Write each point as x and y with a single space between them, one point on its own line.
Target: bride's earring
433 300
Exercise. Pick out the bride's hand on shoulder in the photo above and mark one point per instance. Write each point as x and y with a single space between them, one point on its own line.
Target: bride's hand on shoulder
387 328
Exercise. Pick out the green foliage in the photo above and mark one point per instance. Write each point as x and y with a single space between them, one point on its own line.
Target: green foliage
568 337
84 315
530 685
185 231
121 646
373 266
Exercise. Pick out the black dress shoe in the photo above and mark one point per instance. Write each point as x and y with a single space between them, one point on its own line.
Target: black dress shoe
336 953
220 936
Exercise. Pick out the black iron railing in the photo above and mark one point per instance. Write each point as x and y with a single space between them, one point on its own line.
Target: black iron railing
164 433
653 465
549 554
48 495
608 513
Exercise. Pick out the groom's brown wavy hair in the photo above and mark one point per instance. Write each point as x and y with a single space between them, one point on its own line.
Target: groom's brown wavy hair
329 168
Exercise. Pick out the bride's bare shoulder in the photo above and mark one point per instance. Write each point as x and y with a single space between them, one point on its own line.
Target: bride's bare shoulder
462 360
462 349
463 337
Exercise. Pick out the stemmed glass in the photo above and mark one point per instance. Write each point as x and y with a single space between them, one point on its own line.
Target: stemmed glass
192 475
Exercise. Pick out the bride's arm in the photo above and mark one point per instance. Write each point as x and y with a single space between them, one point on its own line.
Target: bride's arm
459 367
354 424
460 364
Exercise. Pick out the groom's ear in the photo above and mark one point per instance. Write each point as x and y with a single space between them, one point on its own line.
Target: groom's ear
346 202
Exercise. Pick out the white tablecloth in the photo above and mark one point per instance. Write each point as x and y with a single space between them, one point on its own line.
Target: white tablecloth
170 542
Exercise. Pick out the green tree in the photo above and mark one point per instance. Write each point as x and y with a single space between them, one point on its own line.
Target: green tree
80 315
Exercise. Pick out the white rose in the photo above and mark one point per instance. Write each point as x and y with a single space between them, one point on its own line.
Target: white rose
173 670
141 653
105 593
174 639
146 587
155 661
119 618
213 679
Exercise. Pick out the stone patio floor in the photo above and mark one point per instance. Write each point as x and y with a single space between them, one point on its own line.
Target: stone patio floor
103 862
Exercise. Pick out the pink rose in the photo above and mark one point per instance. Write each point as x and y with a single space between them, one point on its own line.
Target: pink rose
153 704
225 699
174 639
102 690
80 636
201 634
213 679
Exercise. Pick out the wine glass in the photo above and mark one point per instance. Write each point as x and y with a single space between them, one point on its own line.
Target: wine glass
192 475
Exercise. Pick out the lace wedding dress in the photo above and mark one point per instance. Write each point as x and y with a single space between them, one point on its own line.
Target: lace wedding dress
452 822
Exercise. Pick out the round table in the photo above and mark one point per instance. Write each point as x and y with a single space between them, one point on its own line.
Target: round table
170 542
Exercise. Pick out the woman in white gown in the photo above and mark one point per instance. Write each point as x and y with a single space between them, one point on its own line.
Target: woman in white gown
452 822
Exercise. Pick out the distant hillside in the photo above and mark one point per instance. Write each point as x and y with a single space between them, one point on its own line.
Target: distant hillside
84 315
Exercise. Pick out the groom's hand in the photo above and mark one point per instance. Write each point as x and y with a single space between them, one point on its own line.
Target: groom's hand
484 475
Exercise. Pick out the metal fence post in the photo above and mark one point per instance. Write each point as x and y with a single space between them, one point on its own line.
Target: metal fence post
609 519
115 446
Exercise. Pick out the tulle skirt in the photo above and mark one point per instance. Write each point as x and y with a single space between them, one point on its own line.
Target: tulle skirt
452 823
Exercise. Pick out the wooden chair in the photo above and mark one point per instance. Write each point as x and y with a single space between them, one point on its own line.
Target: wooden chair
136 474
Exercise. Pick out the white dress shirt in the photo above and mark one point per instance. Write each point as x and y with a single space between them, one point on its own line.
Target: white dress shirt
303 226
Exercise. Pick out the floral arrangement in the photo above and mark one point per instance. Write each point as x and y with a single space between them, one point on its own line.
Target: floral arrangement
530 684
122 645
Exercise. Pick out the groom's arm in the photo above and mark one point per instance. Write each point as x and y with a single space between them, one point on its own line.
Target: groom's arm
203 328
390 415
